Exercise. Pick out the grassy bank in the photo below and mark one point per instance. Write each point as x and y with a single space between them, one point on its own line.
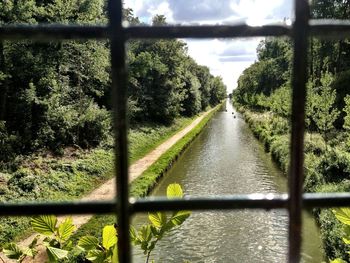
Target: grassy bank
143 185
327 168
74 174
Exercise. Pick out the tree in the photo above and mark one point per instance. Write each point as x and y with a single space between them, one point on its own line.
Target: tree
324 114
218 91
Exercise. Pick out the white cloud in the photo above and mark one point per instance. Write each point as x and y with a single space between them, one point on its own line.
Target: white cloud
213 53
227 58
160 8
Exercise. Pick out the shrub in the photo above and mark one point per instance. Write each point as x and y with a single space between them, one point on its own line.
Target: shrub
86 125
335 165
331 233
280 151
24 180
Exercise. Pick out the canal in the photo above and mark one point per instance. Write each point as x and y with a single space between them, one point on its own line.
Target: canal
226 159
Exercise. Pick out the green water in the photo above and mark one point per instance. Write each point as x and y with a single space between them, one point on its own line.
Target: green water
226 159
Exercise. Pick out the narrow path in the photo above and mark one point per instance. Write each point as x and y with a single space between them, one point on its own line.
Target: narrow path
107 190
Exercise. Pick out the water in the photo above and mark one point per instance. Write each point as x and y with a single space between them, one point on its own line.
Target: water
227 159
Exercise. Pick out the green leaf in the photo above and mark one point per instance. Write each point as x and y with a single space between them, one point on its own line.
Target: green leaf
31 252
346 241
145 233
56 254
179 217
45 225
109 236
338 260
343 215
158 219
133 234
115 258
12 251
66 229
88 243
174 191
96 256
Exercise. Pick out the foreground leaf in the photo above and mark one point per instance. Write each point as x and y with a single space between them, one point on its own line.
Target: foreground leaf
158 219
56 254
88 243
45 224
343 215
145 233
115 258
174 191
31 252
12 251
109 236
66 229
179 217
338 260
96 256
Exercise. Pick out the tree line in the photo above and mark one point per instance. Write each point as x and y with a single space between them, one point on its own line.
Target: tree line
266 83
57 93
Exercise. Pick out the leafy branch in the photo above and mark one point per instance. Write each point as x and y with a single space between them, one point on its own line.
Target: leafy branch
58 244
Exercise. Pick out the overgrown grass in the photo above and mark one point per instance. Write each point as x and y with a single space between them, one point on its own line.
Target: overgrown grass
73 175
145 137
143 185
327 168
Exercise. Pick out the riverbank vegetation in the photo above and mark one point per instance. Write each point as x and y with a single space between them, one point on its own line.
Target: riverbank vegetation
56 136
264 97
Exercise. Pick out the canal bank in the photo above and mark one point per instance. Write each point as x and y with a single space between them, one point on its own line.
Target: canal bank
227 159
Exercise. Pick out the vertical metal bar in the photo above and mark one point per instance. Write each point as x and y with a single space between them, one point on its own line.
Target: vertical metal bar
120 124
299 78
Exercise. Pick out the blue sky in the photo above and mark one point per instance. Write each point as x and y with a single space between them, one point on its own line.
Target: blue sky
227 58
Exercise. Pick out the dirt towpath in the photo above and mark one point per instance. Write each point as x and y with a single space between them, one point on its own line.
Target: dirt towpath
107 190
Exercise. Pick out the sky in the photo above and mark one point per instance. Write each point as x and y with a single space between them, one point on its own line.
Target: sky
224 57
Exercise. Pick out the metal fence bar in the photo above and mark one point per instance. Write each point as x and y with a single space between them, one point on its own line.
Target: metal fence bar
230 31
333 29
232 202
119 88
300 31
329 29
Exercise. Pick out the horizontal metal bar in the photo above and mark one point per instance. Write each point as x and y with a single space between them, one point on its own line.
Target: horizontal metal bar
55 32
330 29
229 31
253 201
64 208
257 201
326 200
44 32
319 28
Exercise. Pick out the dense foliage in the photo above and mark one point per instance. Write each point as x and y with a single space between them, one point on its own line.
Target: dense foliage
56 94
264 93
